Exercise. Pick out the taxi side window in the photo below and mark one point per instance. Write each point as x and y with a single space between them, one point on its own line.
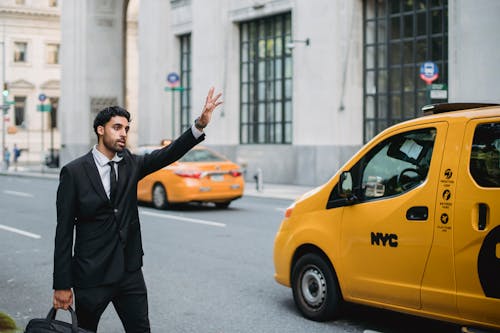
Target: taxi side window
484 162
397 164
394 166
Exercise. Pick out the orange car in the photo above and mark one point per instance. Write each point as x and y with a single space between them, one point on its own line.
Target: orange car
201 175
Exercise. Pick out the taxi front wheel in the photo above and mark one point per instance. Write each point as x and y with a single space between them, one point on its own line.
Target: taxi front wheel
315 288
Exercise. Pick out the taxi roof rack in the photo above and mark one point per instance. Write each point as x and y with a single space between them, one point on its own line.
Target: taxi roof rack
448 107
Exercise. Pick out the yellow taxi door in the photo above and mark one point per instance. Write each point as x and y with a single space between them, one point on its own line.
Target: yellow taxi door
387 233
477 223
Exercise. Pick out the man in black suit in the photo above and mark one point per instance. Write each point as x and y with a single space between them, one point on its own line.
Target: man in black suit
97 194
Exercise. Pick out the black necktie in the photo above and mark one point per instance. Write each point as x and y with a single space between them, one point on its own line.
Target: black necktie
112 181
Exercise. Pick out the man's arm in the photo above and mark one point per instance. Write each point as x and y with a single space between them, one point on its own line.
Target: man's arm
185 142
66 206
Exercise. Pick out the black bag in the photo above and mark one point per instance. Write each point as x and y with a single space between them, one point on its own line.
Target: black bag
51 325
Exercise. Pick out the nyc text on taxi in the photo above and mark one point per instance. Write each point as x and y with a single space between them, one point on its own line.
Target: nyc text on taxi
411 223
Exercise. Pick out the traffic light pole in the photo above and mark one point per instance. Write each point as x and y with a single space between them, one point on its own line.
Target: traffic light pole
4 100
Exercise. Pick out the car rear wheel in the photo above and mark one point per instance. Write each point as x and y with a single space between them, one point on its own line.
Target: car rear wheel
160 197
315 288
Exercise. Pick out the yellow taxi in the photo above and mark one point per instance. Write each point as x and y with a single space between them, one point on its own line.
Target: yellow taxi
411 223
201 175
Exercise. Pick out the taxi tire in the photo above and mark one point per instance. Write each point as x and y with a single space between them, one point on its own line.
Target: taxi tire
160 200
322 299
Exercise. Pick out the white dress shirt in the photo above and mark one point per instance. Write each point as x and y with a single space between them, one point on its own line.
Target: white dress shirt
101 161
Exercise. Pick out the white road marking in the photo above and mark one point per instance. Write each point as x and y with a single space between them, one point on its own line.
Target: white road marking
184 219
279 209
20 232
19 194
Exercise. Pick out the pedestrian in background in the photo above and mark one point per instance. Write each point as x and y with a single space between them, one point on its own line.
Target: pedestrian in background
17 153
6 157
97 195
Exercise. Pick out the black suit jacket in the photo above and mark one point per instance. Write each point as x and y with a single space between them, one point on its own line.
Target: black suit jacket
108 237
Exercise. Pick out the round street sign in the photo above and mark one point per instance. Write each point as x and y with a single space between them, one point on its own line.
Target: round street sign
42 97
429 72
173 79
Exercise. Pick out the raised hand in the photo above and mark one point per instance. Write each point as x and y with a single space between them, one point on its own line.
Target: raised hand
211 103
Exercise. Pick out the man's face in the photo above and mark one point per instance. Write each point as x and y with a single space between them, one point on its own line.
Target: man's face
114 133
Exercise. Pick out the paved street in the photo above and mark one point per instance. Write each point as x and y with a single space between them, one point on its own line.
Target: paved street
207 270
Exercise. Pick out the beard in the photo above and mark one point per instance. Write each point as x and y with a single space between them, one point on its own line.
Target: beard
114 145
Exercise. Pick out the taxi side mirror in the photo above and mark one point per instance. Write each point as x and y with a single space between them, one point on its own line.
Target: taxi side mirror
345 184
345 187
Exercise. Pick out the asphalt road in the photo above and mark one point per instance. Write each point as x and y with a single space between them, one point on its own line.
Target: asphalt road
207 270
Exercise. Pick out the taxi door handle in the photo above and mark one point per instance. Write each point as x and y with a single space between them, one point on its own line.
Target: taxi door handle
417 213
483 210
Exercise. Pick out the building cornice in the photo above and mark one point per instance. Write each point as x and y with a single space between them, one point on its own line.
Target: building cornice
30 12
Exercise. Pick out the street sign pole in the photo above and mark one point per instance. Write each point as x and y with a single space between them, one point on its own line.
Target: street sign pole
173 115
42 99
173 81
173 90
4 100
51 137
3 130
428 94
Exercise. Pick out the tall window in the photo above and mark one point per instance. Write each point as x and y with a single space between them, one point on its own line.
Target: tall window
19 110
185 81
52 3
398 37
20 51
53 54
266 81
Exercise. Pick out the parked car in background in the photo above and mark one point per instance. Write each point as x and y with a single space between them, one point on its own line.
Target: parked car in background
202 175
411 223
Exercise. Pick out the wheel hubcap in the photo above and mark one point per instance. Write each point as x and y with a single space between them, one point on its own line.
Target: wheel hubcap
313 287
158 196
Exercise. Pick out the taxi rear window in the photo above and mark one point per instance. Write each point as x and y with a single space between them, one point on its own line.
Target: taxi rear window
200 155
484 163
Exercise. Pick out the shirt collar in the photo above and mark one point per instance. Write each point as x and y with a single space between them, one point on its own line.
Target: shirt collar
101 159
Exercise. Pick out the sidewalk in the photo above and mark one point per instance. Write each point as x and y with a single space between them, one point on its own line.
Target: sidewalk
31 172
275 191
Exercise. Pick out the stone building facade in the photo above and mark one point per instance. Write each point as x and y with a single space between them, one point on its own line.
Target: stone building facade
305 83
30 40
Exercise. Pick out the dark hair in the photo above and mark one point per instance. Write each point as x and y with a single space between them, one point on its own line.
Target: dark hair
107 113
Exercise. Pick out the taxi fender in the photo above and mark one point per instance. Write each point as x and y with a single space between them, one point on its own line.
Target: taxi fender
312 239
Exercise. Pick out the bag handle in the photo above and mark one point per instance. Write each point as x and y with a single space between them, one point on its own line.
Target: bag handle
74 322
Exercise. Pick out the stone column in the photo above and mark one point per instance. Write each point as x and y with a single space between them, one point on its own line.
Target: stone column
156 51
92 58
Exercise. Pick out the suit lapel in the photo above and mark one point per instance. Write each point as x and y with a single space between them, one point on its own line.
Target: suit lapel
94 177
